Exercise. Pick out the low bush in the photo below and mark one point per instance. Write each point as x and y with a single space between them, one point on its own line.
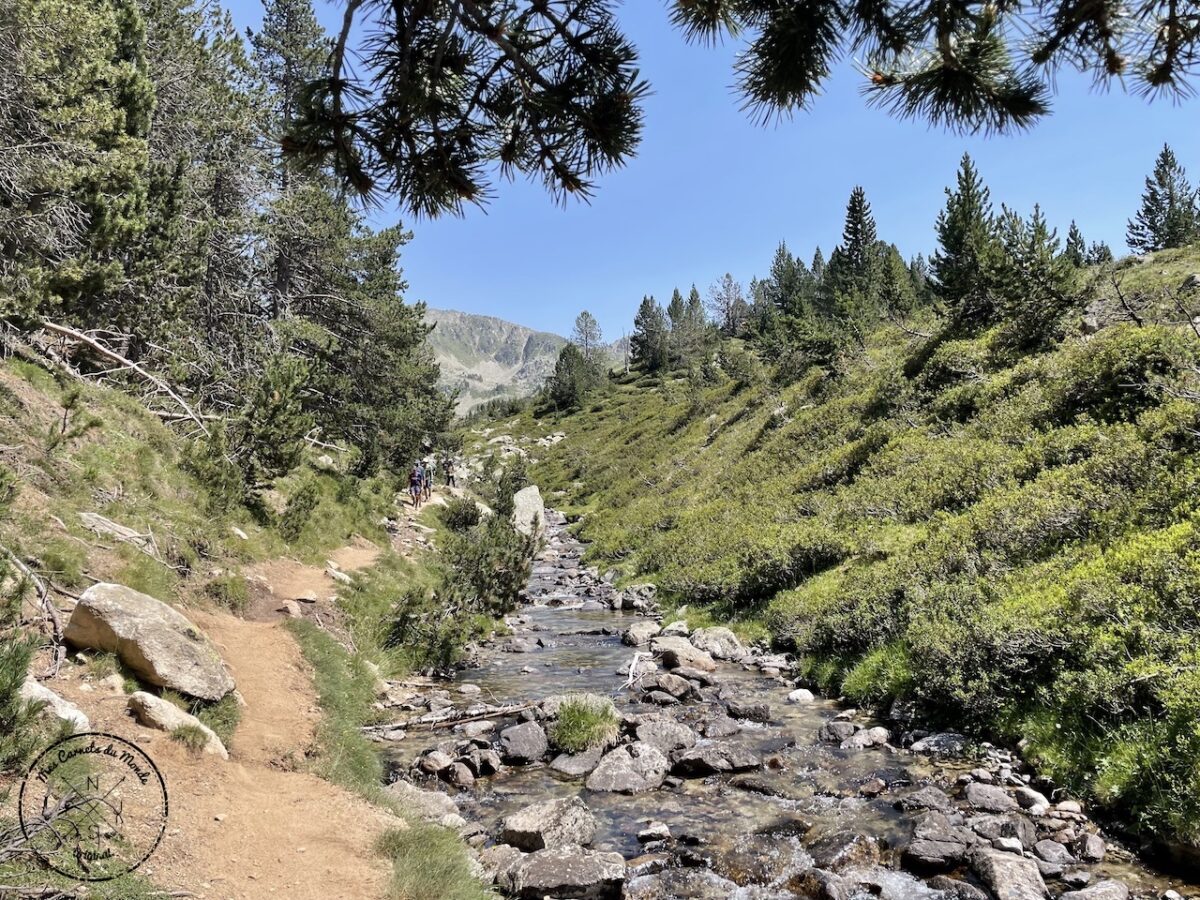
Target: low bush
584 721
461 514
192 737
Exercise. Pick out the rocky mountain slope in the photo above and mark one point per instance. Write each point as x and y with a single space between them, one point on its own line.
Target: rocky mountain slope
485 357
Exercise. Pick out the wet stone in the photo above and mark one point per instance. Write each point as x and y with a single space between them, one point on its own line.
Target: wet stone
577 764
524 743
843 850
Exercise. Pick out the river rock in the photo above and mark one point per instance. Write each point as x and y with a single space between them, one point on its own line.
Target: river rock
928 797
704 679
667 735
550 825
157 643
1101 890
712 758
677 883
569 872
498 863
678 628
956 889
678 651
936 844
943 744
428 806
155 712
989 798
1008 825
434 761
720 726
1028 798
577 764
458 774
478 729
1090 848
524 743
801 695
718 642
529 513
750 712
1054 853
33 691
1008 876
677 687
843 850
630 769
866 737
639 633
836 731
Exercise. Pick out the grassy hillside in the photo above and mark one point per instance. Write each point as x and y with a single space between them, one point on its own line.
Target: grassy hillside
1012 541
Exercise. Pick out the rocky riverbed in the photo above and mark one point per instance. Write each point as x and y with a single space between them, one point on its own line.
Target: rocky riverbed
725 779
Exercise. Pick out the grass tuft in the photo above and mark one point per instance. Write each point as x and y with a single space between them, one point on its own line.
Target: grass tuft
430 863
583 722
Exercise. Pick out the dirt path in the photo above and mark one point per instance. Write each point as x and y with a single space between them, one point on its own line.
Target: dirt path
255 827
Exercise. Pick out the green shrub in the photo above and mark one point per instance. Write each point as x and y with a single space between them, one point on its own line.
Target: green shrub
485 568
193 737
298 512
429 863
584 721
230 591
461 514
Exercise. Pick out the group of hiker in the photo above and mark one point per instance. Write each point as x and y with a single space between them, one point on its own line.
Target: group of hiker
420 479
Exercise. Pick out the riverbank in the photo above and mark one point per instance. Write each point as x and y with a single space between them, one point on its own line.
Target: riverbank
723 777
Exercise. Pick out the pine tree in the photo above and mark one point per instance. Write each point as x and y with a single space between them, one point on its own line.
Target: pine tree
1075 251
818 266
649 343
574 378
965 230
858 239
1030 278
897 294
587 335
1170 212
677 320
1099 253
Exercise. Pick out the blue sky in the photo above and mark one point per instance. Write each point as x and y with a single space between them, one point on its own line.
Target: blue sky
712 192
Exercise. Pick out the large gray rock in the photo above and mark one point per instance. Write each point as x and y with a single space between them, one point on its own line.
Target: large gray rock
550 825
718 642
678 651
529 513
1101 890
577 764
428 806
569 872
713 758
159 644
989 798
667 735
843 850
945 743
639 633
937 844
524 743
1010 877
155 712
678 883
32 691
630 769
867 737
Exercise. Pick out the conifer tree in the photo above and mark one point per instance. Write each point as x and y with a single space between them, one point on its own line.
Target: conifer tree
965 231
818 266
1099 253
1075 251
587 335
677 320
1029 277
649 342
1170 212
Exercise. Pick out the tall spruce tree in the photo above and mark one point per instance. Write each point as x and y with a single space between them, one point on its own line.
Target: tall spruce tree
1075 250
649 342
1170 212
1030 278
965 232
587 335
1099 253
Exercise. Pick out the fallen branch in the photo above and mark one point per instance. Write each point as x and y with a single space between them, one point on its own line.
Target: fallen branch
113 356
47 604
450 716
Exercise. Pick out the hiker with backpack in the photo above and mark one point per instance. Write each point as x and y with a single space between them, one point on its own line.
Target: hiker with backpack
416 485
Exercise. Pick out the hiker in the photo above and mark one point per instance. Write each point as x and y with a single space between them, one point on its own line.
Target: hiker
429 471
448 465
416 479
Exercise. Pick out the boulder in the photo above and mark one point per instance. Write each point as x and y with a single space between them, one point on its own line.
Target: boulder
1090 848
639 633
577 765
718 642
867 737
1008 876
428 806
750 712
926 798
678 628
155 712
678 883
1028 798
1101 890
498 863
434 762
33 691
989 798
459 774
157 643
568 872
955 889
942 744
713 758
667 735
801 695
836 731
524 743
678 651
677 687
1054 853
844 850
550 825
529 512
630 769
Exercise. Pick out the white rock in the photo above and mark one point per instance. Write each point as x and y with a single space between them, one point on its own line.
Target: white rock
33 691
155 712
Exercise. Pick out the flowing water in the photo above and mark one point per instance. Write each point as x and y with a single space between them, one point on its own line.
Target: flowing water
816 785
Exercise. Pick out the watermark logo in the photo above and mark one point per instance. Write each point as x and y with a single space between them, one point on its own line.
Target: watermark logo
93 806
